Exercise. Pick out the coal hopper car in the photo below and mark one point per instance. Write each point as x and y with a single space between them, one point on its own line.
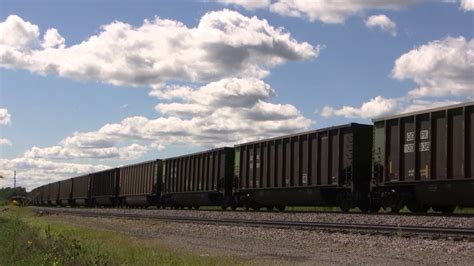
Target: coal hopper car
425 159
65 189
80 194
53 194
199 179
140 184
104 188
325 167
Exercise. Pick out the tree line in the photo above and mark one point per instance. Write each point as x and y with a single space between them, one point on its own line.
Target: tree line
7 192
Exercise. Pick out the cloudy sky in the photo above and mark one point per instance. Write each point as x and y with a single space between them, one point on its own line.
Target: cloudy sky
86 85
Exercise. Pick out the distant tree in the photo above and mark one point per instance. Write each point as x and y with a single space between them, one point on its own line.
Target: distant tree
7 192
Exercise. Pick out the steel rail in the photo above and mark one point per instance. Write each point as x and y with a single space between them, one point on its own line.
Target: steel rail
375 228
429 214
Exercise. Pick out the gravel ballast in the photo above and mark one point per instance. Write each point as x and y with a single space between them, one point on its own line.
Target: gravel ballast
356 218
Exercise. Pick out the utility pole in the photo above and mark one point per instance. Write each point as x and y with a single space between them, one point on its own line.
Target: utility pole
14 179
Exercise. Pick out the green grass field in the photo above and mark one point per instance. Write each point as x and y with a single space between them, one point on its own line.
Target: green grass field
29 240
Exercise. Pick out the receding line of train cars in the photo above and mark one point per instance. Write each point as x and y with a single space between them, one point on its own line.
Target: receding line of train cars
419 160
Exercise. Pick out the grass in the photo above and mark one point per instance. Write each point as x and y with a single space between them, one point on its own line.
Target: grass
29 240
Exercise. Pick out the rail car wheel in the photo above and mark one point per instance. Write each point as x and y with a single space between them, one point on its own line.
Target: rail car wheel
372 207
196 207
375 207
281 208
270 208
364 204
417 207
394 210
233 207
344 202
255 207
444 209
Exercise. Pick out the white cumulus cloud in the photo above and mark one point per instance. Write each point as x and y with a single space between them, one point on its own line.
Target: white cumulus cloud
382 22
375 107
53 39
5 142
467 5
223 44
326 11
5 117
380 106
440 68
71 148
329 11
35 172
18 33
247 4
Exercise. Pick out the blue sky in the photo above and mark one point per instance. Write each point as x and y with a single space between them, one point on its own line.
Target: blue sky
103 89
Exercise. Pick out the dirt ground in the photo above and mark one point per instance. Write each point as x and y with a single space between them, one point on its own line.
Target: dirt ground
284 246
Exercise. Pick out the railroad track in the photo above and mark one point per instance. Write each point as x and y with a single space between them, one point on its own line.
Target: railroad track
400 230
430 214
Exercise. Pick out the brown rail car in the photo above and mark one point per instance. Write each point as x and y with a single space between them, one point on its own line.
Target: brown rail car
140 184
80 190
65 189
199 179
53 194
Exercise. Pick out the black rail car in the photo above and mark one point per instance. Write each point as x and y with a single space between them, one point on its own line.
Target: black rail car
80 194
199 179
43 194
65 189
140 184
53 194
425 159
104 187
34 196
325 167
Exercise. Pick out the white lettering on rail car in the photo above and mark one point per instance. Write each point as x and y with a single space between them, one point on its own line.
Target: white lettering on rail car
424 134
425 146
409 148
410 136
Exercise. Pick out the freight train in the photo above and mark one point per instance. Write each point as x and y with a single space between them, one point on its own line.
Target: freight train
421 160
